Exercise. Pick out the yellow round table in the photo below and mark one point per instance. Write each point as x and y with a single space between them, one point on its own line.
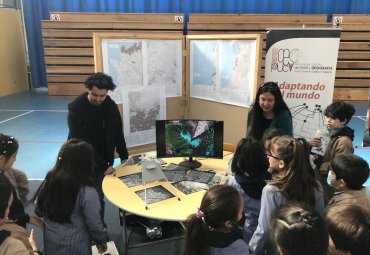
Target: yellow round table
170 209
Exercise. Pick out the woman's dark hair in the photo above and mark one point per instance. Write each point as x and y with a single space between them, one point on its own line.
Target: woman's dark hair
101 81
5 192
256 112
298 229
298 182
220 203
8 146
250 157
74 169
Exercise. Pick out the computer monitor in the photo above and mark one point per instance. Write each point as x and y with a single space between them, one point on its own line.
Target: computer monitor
189 138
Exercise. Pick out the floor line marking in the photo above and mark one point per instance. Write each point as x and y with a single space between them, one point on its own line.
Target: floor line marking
42 142
361 117
9 110
362 148
15 117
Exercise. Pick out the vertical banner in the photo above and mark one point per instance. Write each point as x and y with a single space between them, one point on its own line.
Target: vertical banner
303 63
366 139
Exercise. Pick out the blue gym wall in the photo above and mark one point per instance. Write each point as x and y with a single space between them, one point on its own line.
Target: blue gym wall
37 10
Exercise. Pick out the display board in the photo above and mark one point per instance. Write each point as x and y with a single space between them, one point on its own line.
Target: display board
303 63
13 63
221 79
366 139
148 71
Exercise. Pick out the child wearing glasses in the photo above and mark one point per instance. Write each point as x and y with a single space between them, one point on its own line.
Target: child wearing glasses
250 166
294 181
269 111
214 228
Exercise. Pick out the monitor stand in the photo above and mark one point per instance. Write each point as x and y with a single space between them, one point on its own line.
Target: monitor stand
192 164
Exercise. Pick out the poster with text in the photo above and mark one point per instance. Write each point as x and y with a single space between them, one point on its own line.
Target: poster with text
303 63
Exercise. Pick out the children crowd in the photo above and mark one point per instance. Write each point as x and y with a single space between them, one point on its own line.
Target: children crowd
281 199
293 202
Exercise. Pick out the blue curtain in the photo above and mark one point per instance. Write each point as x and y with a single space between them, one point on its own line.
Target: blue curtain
36 10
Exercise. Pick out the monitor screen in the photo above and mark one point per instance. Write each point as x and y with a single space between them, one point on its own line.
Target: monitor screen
189 138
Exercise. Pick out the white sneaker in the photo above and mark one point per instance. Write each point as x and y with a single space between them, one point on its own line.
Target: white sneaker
151 232
158 231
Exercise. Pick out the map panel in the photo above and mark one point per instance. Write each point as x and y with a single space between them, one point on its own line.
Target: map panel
189 187
141 108
164 65
204 54
123 60
155 194
143 62
223 70
132 180
199 176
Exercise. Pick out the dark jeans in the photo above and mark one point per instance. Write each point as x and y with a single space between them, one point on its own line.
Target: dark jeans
366 141
99 188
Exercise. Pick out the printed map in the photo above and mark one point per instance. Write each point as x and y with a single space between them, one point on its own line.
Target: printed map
223 70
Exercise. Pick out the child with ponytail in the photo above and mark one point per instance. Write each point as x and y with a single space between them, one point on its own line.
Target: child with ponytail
298 229
216 226
294 182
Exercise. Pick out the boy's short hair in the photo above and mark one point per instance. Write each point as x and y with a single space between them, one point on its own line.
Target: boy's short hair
353 169
340 110
101 81
349 228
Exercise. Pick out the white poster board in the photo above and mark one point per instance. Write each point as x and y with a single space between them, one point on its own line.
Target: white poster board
303 63
223 70
143 62
142 106
148 71
366 139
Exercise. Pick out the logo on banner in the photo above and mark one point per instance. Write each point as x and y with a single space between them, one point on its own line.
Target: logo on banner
283 60
288 60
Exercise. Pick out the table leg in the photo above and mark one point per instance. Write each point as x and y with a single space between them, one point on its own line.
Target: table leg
123 223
